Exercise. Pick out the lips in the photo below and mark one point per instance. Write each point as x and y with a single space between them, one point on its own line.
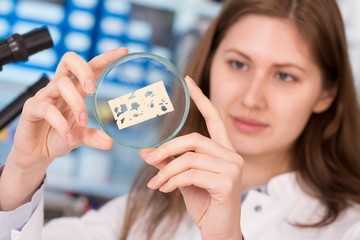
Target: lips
248 125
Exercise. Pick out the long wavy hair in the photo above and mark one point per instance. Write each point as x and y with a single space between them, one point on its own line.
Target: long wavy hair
327 153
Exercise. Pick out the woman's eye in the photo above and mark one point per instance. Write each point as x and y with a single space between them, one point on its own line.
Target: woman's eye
238 65
285 77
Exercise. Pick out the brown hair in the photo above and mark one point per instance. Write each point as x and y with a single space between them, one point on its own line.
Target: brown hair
326 155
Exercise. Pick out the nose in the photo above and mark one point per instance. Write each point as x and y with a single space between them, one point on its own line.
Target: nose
254 93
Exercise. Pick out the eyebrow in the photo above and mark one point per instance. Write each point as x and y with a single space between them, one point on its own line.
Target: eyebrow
238 52
290 65
279 65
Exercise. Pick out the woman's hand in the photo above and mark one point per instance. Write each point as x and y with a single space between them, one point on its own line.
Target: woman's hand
208 173
52 123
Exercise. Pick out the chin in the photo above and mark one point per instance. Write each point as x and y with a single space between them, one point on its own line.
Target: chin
246 146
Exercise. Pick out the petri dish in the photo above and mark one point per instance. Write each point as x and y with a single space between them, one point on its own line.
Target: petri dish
141 100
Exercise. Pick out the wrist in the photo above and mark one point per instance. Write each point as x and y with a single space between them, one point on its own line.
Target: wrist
18 182
234 236
27 163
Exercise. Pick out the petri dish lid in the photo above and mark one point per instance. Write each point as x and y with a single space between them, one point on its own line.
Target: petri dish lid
141 100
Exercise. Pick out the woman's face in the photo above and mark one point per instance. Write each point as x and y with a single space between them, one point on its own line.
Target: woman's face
265 85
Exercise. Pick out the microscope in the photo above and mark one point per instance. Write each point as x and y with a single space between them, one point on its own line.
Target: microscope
18 48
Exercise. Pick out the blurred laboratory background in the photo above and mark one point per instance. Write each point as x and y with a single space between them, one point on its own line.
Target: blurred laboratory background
87 177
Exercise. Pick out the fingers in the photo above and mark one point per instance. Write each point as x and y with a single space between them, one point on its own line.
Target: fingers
72 64
214 122
99 63
196 178
65 88
202 162
71 89
160 164
93 137
62 105
183 163
201 154
73 137
216 184
74 100
191 142
48 112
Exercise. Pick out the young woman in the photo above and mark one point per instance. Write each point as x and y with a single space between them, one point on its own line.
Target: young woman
270 151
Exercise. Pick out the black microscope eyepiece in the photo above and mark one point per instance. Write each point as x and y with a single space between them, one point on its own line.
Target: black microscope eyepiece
18 48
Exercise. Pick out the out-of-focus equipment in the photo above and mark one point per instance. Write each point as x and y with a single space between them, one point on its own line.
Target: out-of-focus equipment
18 48
12 110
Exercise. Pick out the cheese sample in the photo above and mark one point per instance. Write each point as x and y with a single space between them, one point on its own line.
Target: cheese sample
141 105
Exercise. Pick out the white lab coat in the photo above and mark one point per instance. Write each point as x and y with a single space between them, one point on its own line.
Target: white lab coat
264 217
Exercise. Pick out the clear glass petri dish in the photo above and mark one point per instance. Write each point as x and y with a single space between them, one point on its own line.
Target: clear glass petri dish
141 100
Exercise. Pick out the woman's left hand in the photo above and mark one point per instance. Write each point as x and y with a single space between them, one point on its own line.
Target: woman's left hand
207 171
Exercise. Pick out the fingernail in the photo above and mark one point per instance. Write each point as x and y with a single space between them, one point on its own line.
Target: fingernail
164 188
83 119
152 182
151 156
89 86
70 139
190 80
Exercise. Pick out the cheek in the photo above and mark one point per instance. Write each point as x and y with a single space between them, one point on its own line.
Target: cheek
217 87
216 91
292 115
223 93
224 87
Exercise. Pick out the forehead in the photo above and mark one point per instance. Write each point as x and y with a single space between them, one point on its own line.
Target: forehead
278 38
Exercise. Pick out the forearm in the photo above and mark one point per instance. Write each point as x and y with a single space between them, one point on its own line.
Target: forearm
17 183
